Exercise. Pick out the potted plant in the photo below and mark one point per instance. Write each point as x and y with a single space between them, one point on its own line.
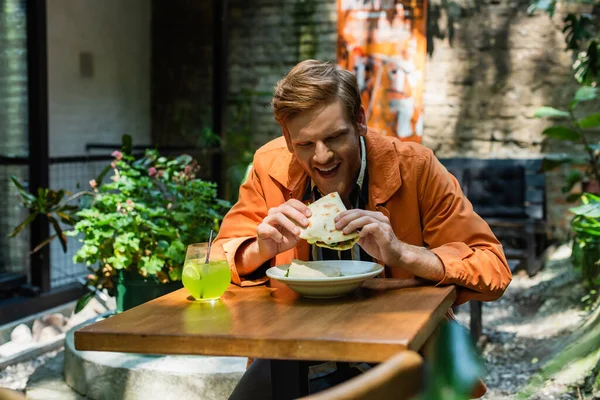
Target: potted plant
135 227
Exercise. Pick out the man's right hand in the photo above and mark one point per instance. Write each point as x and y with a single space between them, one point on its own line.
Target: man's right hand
279 231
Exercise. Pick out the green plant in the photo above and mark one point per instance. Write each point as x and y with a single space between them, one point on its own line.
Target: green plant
142 219
454 365
586 241
51 204
581 31
577 130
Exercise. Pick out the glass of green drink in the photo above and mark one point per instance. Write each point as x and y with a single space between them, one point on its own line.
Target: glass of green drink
205 281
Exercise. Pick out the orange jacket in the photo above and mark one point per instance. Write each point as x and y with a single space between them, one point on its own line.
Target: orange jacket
407 183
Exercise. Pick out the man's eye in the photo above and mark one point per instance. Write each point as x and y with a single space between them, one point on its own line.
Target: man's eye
303 144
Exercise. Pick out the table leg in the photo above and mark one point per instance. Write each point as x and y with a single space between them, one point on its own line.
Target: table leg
289 379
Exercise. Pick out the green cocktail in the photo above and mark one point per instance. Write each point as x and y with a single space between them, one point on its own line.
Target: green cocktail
206 281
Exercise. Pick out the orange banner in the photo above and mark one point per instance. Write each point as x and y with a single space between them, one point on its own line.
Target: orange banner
383 42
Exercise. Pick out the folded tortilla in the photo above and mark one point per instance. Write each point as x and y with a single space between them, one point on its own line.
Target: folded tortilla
321 225
304 269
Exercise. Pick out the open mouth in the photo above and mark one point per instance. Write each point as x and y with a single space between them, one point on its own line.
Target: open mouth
327 172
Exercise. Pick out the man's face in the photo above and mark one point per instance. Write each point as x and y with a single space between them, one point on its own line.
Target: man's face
326 143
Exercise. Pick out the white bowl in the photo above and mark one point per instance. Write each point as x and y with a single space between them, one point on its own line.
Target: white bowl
354 274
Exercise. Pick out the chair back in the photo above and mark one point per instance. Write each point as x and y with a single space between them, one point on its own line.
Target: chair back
395 379
8 394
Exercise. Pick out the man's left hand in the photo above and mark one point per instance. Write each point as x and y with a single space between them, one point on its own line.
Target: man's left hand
376 234
378 239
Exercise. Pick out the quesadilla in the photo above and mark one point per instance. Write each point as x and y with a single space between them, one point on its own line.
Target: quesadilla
321 225
304 269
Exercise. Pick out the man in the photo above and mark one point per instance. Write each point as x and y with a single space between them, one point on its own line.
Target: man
411 213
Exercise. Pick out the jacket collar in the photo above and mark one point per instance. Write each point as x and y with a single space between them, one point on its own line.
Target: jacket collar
382 165
289 173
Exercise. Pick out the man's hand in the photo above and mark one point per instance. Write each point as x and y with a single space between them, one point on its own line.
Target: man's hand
279 231
379 240
376 234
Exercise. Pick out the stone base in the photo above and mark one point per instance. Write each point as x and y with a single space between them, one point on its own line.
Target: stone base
110 375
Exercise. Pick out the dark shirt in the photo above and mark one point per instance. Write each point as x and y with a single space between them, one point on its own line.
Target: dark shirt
359 198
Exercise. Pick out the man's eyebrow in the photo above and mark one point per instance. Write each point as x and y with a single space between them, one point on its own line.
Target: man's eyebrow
340 130
337 131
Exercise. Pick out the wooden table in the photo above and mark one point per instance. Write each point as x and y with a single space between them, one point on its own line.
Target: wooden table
275 323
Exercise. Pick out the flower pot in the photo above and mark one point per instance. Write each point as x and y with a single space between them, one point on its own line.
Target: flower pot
133 289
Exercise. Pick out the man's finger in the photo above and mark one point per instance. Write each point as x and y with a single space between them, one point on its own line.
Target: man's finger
345 217
359 223
265 231
372 229
280 220
300 206
295 215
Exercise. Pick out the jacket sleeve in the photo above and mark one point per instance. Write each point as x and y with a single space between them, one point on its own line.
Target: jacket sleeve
239 226
473 257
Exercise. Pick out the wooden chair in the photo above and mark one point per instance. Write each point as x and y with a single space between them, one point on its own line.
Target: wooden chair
510 195
8 394
395 379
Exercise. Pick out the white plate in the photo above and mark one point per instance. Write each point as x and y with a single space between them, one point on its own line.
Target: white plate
354 274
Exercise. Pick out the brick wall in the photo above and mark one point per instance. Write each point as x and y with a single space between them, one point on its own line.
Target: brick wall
481 88
266 39
181 80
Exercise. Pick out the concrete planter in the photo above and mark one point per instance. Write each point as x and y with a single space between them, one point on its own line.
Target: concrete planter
111 375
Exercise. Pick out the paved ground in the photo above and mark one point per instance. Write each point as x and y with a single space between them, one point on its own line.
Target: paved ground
528 323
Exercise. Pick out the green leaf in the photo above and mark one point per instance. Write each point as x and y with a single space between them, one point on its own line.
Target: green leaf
591 210
65 218
23 224
550 112
574 177
59 232
152 264
562 133
587 65
573 104
44 243
455 364
175 273
552 161
126 144
577 29
102 175
590 198
591 121
586 93
27 197
585 226
83 301
573 197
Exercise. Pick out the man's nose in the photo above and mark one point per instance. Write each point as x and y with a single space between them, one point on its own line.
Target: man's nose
322 153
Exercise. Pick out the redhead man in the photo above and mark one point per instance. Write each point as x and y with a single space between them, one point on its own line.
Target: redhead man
411 213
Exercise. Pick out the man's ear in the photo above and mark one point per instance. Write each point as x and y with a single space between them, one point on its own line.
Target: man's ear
362 122
288 140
